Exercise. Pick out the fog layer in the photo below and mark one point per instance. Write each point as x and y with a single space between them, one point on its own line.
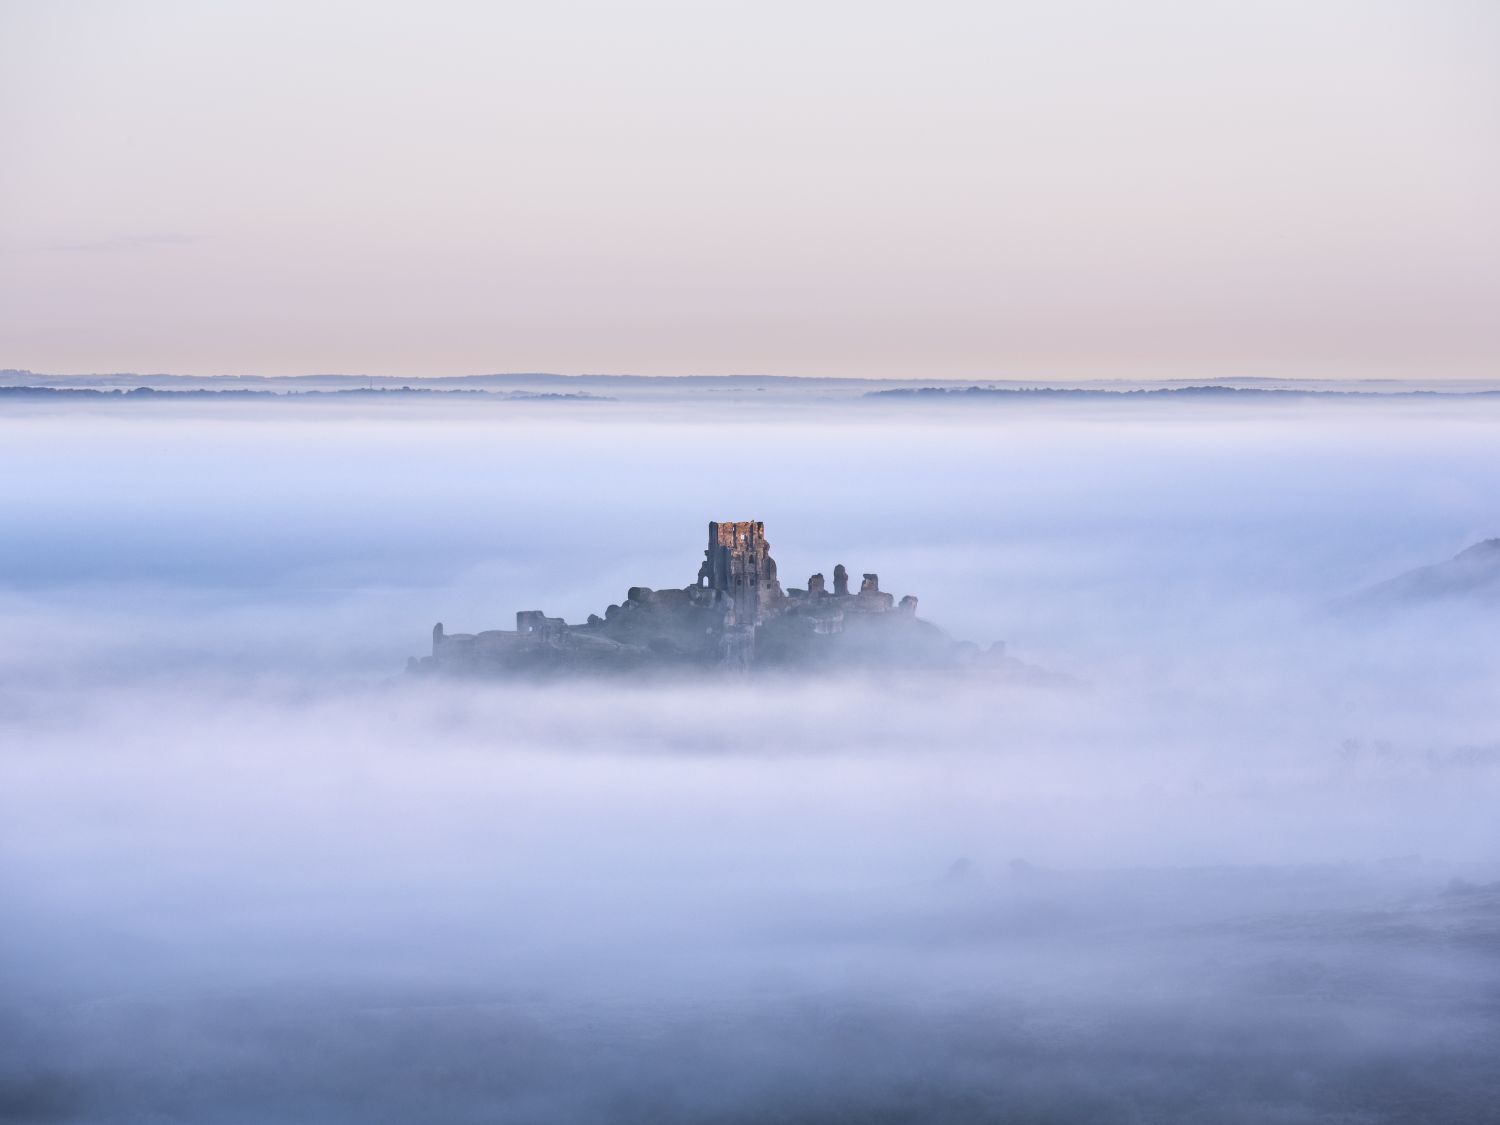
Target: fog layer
1234 861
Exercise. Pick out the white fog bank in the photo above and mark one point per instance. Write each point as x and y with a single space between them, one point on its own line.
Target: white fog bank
1236 861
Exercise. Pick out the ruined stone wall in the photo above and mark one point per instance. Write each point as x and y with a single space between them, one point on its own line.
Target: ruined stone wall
840 581
535 622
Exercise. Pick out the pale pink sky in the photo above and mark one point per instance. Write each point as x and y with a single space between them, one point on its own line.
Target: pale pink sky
966 190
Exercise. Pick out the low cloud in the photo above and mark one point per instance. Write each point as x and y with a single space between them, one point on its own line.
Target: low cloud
1239 866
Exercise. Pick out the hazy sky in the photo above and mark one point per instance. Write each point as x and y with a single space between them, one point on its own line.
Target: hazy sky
948 189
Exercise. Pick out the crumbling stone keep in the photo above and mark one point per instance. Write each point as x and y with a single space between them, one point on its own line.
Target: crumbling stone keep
738 563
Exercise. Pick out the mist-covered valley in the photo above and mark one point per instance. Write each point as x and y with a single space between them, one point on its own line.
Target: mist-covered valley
1234 859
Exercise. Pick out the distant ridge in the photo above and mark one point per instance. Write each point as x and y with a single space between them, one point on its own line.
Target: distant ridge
743 387
30 392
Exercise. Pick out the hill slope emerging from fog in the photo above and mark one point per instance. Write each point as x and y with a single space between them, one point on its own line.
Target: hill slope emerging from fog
1471 575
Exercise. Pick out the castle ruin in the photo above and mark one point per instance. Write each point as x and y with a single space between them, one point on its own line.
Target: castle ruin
735 616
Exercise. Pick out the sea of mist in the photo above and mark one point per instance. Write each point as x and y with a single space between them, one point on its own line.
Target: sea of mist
1228 855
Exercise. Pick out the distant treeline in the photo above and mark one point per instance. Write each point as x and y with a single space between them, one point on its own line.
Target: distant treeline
631 384
1158 392
360 392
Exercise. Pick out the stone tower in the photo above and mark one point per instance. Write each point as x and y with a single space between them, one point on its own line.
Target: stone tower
738 562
